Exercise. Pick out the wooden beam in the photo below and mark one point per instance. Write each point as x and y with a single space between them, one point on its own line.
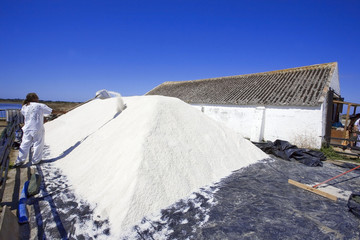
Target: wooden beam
347 120
342 102
314 190
9 226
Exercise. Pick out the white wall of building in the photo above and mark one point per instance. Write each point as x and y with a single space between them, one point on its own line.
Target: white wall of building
334 82
301 126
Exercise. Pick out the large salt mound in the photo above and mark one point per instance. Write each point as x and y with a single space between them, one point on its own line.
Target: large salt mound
157 151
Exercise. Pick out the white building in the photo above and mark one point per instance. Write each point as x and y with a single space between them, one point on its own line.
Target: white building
290 104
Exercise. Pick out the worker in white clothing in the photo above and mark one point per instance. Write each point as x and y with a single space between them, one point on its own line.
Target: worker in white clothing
357 129
33 130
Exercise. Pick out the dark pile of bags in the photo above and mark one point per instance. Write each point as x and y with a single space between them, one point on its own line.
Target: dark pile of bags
285 150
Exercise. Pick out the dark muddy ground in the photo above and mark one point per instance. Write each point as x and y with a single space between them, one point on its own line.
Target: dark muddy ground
253 203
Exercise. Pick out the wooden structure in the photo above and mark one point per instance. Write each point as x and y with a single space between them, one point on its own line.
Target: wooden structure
6 141
9 227
312 189
344 137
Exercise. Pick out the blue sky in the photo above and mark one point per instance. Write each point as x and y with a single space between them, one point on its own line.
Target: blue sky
69 49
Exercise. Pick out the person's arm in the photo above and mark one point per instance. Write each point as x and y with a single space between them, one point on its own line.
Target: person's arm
46 109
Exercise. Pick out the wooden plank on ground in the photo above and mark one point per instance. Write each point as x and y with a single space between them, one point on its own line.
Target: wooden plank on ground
9 226
314 190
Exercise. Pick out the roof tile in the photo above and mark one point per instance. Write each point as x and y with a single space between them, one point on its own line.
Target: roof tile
294 86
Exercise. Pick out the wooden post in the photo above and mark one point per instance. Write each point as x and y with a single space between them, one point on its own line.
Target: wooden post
347 120
329 118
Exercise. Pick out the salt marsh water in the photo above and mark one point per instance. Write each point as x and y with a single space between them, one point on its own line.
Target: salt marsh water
10 106
4 106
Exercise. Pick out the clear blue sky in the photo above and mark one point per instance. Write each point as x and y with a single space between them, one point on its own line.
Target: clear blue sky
69 49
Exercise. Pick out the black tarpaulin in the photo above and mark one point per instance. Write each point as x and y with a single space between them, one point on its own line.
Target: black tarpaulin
354 204
287 151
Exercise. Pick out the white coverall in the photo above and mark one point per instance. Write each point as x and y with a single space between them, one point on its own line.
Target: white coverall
33 131
357 124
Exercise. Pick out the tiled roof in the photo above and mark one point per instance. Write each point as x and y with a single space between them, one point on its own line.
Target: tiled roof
294 86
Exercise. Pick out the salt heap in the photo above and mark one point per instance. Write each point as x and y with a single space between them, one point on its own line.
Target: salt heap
155 152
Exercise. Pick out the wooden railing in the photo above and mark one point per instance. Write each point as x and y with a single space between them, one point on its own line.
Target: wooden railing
6 141
341 137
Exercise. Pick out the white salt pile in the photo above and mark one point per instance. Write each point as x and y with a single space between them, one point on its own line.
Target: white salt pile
157 151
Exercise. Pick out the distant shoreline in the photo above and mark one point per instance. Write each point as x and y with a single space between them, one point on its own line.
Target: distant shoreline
59 107
20 101
17 101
